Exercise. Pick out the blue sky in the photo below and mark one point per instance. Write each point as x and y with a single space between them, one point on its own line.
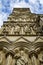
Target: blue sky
6 7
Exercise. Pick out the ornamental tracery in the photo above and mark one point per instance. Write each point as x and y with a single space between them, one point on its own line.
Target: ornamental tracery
21 56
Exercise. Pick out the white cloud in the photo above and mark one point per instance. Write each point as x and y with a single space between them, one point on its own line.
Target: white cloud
22 4
41 1
32 1
1 21
18 4
36 6
0 6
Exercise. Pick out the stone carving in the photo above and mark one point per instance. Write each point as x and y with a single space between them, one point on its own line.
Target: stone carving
41 57
27 29
2 58
34 59
17 29
24 26
37 27
21 58
9 60
23 30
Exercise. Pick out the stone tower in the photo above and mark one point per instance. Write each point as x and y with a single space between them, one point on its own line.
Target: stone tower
21 38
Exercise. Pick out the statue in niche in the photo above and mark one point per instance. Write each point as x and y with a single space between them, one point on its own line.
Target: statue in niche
37 27
17 29
21 59
27 29
5 30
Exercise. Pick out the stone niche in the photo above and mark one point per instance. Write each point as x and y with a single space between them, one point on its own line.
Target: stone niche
21 54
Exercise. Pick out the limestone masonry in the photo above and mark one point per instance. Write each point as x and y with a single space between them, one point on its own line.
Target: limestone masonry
21 38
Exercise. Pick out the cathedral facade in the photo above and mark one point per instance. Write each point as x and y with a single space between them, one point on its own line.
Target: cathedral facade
21 38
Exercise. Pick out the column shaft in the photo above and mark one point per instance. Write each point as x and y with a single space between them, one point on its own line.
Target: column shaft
9 60
34 60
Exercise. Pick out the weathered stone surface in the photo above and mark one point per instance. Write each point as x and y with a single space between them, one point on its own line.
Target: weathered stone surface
21 38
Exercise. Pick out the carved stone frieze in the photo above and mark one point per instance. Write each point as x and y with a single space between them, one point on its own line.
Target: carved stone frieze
25 23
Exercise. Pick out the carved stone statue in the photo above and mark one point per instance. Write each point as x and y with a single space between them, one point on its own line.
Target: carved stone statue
22 59
27 29
17 29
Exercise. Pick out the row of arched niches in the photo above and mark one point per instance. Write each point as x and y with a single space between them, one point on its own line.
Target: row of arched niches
21 53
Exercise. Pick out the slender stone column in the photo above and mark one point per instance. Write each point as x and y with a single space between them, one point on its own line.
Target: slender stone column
13 62
21 32
2 58
33 57
9 60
